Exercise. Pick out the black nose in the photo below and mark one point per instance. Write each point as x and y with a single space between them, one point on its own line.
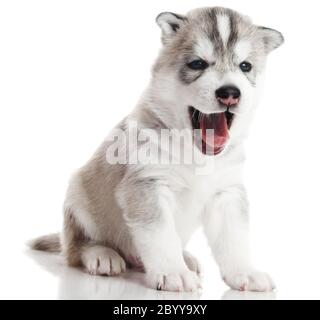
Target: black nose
226 92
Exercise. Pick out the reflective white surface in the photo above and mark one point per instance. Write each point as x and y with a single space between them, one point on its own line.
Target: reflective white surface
38 275
27 274
51 274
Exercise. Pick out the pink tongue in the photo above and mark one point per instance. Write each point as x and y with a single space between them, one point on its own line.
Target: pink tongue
214 130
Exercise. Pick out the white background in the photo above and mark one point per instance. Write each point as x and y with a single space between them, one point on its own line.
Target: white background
70 70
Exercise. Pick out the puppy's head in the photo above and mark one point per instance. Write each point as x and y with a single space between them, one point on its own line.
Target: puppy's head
210 69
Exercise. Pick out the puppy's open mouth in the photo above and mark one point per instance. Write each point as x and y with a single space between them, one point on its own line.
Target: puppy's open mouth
211 131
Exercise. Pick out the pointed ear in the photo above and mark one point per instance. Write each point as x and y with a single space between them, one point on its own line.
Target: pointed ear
272 38
169 23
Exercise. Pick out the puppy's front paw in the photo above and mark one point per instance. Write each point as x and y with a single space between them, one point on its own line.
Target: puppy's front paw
249 281
187 281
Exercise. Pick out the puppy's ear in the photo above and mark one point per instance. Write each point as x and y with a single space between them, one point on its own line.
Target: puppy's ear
169 23
272 38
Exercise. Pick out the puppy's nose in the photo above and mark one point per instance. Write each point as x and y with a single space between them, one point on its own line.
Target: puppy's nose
228 95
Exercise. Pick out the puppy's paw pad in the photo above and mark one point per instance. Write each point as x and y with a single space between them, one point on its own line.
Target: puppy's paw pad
186 281
192 262
103 261
250 281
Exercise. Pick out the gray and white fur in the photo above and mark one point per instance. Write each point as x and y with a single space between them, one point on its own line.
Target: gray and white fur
142 215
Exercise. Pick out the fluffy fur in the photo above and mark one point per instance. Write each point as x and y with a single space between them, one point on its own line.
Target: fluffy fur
142 215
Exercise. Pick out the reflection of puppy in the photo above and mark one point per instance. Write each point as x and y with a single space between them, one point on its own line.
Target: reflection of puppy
207 76
247 295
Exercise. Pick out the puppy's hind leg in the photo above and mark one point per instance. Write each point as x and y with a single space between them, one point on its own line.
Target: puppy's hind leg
101 260
80 251
192 262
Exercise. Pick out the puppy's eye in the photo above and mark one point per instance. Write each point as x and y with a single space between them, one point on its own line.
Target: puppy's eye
245 66
197 64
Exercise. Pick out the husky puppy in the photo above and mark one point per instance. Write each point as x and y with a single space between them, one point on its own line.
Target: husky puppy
207 77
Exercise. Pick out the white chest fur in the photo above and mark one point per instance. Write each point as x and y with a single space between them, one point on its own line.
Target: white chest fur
197 192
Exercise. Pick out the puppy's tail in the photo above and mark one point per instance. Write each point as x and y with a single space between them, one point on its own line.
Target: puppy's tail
49 243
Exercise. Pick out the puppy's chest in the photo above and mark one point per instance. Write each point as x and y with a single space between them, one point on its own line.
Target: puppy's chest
189 204
197 191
